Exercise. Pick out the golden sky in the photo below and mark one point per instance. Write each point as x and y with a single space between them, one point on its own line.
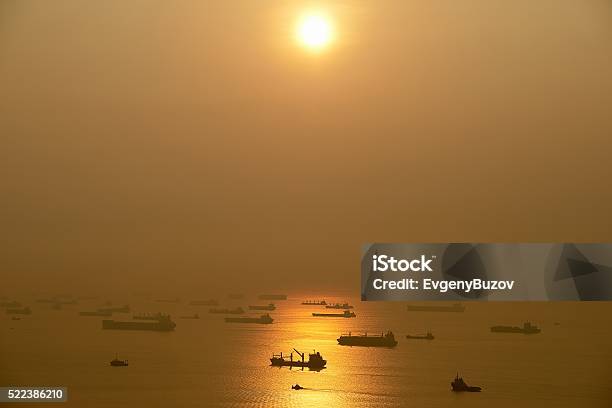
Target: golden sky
185 139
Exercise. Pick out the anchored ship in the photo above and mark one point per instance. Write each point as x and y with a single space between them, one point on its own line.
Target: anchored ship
163 324
96 313
237 310
458 385
147 316
118 309
315 361
346 313
527 328
263 319
272 297
118 363
270 306
24 311
209 302
455 307
365 340
193 316
427 336
344 306
10 304
314 303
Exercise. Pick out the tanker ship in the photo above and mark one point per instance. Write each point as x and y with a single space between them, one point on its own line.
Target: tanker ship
365 340
162 324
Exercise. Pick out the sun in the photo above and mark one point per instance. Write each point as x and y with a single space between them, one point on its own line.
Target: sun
314 31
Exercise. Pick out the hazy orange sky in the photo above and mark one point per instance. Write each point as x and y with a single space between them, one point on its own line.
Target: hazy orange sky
176 142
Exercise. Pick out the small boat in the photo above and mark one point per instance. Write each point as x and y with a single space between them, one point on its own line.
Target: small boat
118 363
345 314
315 361
314 303
297 387
458 385
270 306
427 336
344 306
237 310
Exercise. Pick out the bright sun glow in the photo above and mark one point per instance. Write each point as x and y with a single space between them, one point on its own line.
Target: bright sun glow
314 31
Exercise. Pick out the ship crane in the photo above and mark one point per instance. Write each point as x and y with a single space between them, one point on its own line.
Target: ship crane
301 355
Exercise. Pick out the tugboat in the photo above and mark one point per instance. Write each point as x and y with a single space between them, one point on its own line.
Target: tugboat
315 361
344 306
527 328
297 387
458 385
118 363
455 307
237 310
269 306
427 336
314 303
345 314
384 340
263 319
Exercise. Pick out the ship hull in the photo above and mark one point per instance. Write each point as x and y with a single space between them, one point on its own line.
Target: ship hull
333 315
519 330
247 320
366 342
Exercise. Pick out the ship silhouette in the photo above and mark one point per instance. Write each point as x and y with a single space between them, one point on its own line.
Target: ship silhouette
315 361
365 340
458 385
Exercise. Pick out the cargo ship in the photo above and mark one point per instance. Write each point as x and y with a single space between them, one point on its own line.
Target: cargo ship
193 316
365 340
344 306
237 310
346 313
455 307
24 311
164 324
315 361
209 302
10 304
118 363
96 313
272 297
270 306
117 309
458 385
263 319
527 328
314 303
427 336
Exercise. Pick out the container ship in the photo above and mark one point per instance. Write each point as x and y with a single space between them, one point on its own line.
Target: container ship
315 361
527 328
314 303
237 310
345 314
344 306
164 324
455 307
263 319
365 340
270 306
272 297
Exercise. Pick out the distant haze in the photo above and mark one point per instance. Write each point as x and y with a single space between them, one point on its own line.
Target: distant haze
194 145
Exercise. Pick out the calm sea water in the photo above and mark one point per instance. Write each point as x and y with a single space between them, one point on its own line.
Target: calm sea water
207 362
